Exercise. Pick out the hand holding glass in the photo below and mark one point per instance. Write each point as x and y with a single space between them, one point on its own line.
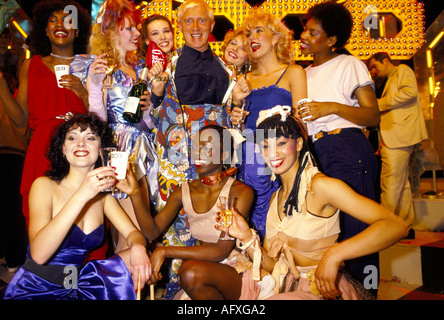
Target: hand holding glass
226 214
105 154
111 60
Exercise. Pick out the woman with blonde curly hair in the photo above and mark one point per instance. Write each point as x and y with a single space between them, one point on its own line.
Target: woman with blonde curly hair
274 79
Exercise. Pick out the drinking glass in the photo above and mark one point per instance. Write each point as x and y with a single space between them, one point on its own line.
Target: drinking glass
111 60
238 126
226 214
119 160
105 154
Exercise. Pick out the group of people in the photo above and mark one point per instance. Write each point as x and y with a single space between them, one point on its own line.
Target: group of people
305 225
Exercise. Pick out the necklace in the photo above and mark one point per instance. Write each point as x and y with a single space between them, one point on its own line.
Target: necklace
61 57
217 178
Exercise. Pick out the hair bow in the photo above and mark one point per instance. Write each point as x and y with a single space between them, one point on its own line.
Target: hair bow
282 110
65 116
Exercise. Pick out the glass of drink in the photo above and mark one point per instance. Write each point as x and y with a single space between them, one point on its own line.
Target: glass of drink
105 155
226 215
119 160
111 60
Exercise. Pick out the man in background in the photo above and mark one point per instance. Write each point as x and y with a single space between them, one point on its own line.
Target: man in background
402 129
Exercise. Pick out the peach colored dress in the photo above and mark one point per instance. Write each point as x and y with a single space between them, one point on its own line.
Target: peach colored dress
303 233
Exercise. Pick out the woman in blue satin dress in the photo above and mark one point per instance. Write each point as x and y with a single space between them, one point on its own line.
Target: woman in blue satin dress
116 33
66 214
274 80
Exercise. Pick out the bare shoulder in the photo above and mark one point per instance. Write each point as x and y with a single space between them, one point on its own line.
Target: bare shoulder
296 75
296 69
321 183
43 182
239 188
177 192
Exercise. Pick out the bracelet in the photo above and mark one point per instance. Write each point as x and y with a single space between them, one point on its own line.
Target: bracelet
155 79
239 106
249 243
257 254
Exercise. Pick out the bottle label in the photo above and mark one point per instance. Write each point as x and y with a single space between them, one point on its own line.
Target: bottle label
131 105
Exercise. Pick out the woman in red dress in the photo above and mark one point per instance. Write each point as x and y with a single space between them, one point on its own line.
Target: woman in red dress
40 103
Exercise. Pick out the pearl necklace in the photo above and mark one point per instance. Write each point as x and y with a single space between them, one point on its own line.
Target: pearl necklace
61 57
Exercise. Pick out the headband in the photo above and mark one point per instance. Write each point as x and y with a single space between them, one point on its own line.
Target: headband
284 111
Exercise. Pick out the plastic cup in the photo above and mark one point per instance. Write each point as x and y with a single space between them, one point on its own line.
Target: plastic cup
119 160
302 101
60 70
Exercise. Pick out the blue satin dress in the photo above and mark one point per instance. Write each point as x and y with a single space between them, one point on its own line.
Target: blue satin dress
107 279
253 171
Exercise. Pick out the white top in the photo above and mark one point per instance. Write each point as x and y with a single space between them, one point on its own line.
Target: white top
336 81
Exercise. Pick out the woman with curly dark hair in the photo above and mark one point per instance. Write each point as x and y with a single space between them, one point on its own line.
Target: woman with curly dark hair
40 102
59 164
40 43
67 208
344 103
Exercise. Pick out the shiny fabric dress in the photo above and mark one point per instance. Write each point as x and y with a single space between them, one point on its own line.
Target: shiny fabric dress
47 105
107 279
136 138
252 170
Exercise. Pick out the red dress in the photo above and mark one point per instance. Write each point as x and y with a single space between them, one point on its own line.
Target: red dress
46 101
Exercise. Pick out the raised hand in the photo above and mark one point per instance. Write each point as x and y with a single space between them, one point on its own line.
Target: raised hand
98 69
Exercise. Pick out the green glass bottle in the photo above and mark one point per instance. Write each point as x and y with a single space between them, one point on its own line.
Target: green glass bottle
133 109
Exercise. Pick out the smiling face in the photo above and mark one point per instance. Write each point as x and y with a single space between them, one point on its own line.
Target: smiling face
128 37
281 154
207 152
81 148
196 27
314 39
260 40
234 52
56 31
159 31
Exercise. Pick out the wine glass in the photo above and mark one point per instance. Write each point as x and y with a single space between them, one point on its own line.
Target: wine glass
226 215
238 126
111 60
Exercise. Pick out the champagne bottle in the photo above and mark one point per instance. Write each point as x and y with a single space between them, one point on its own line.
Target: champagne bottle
133 109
